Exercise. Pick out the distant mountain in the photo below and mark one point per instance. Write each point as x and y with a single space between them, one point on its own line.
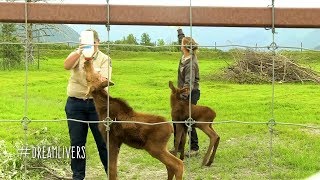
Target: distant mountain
62 33
50 33
208 36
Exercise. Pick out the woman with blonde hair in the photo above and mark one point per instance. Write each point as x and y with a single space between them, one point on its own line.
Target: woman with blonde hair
188 49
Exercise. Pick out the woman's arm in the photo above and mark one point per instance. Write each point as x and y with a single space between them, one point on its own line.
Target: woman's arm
189 76
180 35
72 60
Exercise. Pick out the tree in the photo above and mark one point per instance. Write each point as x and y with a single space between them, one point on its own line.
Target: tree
131 39
11 53
145 40
160 42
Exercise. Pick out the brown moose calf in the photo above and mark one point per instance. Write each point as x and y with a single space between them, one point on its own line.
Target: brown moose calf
152 138
180 112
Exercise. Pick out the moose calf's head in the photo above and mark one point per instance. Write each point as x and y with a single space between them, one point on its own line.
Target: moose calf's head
177 92
94 80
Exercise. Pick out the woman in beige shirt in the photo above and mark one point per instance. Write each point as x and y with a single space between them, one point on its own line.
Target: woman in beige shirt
80 107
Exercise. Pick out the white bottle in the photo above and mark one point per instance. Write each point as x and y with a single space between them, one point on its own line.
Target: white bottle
87 40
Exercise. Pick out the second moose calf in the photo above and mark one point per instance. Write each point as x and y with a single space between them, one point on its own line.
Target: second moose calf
180 112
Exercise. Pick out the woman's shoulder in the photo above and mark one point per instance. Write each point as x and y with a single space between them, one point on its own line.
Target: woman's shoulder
102 56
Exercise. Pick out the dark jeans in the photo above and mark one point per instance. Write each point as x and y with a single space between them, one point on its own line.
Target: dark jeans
195 96
83 110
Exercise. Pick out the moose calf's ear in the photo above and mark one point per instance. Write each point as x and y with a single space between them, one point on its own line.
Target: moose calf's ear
171 86
110 83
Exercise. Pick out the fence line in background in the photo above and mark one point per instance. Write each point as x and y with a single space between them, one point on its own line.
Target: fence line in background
214 47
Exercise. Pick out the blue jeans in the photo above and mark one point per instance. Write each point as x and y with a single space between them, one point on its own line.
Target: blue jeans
195 96
83 110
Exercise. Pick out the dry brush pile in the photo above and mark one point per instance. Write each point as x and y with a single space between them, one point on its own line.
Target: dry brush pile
257 67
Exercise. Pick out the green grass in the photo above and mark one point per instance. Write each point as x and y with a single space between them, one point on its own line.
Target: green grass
142 79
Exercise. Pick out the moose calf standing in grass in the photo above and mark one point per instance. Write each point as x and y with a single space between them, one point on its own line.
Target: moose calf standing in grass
152 138
180 112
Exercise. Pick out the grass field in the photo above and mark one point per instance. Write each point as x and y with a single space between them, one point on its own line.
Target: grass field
142 79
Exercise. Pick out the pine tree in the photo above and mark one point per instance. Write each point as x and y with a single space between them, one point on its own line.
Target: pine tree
11 53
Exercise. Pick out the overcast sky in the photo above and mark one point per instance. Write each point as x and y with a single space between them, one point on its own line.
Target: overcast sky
240 3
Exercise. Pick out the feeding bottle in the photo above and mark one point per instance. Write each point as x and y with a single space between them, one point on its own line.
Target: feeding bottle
87 41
